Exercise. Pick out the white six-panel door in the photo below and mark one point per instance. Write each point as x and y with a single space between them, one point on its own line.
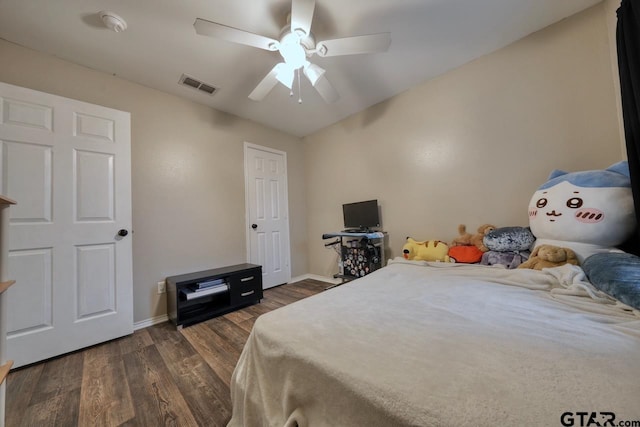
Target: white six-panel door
267 213
68 163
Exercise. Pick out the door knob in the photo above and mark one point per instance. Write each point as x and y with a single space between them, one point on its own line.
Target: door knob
123 232
254 226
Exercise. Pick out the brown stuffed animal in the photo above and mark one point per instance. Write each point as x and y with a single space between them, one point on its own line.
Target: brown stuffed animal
546 256
464 239
477 239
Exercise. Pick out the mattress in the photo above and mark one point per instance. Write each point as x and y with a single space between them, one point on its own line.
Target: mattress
435 344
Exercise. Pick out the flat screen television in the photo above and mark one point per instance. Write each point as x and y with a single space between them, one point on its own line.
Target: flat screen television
361 216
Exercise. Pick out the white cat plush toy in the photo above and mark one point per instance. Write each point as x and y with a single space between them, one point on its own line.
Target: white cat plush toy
589 211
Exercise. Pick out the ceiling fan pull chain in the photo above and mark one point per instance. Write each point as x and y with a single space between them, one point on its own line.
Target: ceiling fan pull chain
299 90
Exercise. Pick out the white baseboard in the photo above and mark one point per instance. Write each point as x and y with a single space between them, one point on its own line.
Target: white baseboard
150 322
315 277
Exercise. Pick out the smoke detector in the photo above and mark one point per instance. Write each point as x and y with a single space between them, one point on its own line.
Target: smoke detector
112 21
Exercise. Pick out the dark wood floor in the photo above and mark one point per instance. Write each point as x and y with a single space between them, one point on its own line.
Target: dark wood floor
156 377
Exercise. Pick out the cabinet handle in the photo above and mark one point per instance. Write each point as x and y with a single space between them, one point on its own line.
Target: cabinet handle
246 294
246 279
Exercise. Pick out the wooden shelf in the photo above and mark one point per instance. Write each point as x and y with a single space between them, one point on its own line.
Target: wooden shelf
5 285
6 201
4 370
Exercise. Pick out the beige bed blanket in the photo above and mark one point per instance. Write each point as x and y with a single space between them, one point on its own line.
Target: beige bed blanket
442 345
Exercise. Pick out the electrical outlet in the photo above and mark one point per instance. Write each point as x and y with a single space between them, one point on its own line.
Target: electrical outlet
162 287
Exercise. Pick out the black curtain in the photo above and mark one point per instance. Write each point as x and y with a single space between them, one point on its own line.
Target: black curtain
628 43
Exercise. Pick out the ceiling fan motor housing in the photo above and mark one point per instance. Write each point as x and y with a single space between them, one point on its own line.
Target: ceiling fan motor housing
308 41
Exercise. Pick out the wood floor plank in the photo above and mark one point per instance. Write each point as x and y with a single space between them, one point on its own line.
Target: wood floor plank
237 316
247 325
296 291
105 396
58 410
219 354
156 376
158 399
278 295
21 385
316 285
271 303
234 335
69 408
244 319
136 341
260 309
60 376
205 393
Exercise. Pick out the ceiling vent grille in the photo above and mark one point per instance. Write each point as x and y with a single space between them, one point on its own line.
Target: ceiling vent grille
197 84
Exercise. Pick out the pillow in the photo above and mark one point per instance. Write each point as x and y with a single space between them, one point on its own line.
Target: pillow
509 239
616 274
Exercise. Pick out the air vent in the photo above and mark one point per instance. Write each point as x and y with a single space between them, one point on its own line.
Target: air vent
206 88
197 84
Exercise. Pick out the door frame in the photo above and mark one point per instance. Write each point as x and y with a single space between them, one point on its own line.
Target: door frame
247 212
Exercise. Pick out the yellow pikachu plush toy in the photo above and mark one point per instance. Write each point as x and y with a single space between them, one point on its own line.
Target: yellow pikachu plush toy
429 250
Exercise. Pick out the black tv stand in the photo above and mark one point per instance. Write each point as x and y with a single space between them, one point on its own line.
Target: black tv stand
191 300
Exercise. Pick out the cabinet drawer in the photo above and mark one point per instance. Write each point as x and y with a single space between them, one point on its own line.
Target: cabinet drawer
246 286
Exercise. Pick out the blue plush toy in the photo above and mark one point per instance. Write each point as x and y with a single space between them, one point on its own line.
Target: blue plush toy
589 211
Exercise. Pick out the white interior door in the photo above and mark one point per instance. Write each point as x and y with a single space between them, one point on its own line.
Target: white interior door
68 163
267 213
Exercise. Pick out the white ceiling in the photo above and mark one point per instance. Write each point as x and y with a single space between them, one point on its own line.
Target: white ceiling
429 37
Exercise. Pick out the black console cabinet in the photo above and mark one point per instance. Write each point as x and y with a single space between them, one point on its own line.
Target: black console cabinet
195 297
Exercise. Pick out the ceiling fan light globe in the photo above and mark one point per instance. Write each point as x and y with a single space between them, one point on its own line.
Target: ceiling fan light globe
289 37
285 75
293 54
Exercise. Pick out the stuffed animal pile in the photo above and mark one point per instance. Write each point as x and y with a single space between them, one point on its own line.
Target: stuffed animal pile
467 247
571 217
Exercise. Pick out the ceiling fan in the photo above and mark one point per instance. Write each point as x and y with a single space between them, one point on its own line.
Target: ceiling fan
296 44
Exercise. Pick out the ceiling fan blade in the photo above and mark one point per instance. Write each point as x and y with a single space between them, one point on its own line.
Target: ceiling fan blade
354 45
264 87
326 90
213 29
313 72
302 15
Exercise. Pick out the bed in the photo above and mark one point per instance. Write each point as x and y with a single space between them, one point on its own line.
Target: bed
437 344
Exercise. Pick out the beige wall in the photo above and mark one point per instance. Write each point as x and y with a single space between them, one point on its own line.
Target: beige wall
187 172
472 145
